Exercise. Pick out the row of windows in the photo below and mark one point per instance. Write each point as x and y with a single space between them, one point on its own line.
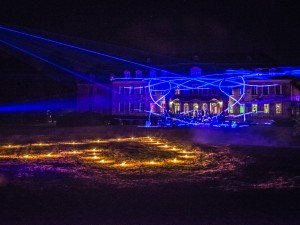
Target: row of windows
140 107
255 108
193 107
132 90
132 107
196 91
265 90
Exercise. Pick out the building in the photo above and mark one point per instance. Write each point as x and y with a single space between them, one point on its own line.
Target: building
272 99
153 92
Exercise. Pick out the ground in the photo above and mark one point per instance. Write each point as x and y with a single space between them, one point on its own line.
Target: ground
51 175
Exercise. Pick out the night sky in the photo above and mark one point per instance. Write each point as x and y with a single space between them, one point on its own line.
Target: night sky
175 28
169 27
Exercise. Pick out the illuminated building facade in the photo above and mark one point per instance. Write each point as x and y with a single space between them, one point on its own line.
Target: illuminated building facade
246 97
136 96
272 98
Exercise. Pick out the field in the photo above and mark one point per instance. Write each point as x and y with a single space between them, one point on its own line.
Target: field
130 175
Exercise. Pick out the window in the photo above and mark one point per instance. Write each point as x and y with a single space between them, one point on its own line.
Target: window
254 90
266 90
278 90
177 107
142 90
177 91
186 108
195 106
240 91
121 107
213 91
142 107
254 108
121 90
213 108
204 91
266 108
152 107
132 90
163 106
278 107
204 107
230 108
131 107
242 108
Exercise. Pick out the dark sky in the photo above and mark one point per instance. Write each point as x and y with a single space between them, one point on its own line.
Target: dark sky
169 27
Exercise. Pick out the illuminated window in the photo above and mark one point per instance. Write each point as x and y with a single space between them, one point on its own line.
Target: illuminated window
278 107
230 108
254 90
131 107
152 107
186 108
204 107
163 106
177 91
195 106
266 108
177 107
213 108
254 108
242 108
278 90
265 90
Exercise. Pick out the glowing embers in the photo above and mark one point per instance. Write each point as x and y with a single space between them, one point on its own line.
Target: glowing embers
176 161
116 153
125 164
187 154
41 144
94 150
10 146
73 143
97 141
153 163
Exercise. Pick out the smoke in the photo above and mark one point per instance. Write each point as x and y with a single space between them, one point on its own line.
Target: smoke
246 136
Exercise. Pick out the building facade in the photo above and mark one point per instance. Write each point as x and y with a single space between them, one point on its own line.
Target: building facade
273 98
139 94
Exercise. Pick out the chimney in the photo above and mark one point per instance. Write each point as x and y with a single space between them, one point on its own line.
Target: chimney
126 74
138 74
152 73
195 71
